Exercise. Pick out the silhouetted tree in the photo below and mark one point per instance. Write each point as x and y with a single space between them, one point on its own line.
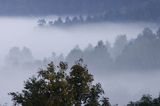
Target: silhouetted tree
141 53
51 23
42 22
156 101
146 100
16 58
89 19
74 54
119 45
81 19
158 33
75 20
68 21
105 102
94 95
58 22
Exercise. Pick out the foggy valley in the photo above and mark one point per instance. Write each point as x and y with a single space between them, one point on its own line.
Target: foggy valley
25 48
79 52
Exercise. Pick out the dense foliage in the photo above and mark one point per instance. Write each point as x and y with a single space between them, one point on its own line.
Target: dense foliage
146 100
55 87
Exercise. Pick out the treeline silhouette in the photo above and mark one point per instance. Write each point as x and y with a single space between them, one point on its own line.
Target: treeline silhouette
68 21
75 20
85 19
146 100
141 53
141 10
21 59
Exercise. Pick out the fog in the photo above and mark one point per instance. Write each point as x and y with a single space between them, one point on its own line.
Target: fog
24 32
124 87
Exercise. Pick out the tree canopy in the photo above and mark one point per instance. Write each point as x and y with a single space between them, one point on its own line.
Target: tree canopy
54 86
146 100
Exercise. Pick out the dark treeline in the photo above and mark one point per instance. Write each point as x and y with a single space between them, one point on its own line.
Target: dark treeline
146 100
68 21
74 20
114 9
141 53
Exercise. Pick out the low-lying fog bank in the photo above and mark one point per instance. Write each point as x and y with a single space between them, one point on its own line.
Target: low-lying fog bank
120 87
25 32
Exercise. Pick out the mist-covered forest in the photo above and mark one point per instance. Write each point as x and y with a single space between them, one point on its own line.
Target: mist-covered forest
51 49
125 59
139 54
114 9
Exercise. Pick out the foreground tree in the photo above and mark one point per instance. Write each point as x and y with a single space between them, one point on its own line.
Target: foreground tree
54 87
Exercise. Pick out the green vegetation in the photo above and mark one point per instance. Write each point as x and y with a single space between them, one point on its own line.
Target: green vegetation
55 87
146 100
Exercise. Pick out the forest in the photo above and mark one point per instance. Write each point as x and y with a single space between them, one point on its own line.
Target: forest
79 52
141 53
114 9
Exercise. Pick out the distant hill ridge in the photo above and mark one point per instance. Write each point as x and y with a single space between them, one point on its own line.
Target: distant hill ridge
116 9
